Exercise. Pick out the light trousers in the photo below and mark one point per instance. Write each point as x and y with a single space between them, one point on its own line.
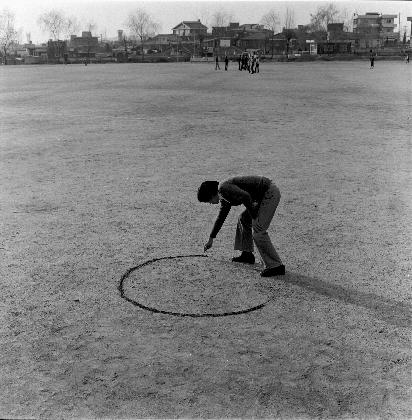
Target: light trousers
249 231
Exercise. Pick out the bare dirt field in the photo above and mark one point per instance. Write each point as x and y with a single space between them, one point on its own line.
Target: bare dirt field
100 166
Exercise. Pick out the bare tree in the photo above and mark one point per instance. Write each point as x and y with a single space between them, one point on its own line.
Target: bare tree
71 26
347 20
52 22
221 18
8 33
272 21
57 24
289 20
324 15
142 26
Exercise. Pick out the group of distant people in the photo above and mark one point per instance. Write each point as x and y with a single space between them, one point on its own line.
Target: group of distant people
250 61
247 61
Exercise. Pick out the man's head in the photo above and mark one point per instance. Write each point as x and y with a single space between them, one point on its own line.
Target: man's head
208 192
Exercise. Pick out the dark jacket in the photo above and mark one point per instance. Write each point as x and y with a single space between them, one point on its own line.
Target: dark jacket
236 191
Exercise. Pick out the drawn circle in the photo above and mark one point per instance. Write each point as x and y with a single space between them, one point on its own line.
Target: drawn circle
193 286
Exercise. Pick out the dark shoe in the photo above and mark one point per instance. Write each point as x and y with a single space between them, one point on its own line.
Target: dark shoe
273 271
245 257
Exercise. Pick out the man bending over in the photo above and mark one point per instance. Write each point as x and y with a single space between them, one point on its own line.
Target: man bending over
261 197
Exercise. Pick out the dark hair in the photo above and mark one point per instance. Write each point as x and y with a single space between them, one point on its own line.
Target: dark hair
207 190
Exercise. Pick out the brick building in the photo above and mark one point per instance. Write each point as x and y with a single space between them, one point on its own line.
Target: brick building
85 46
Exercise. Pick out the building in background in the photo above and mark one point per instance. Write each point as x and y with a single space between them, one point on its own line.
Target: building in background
374 30
190 39
56 51
190 28
233 39
338 41
85 46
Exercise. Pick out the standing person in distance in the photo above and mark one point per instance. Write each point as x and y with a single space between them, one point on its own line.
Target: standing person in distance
217 63
253 61
372 59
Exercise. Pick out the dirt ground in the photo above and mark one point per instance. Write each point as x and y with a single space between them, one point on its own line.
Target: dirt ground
100 166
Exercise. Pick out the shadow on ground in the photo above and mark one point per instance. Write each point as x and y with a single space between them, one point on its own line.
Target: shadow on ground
390 311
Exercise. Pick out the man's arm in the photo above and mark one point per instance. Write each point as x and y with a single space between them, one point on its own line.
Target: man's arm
221 217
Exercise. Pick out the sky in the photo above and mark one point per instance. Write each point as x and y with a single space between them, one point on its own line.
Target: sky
110 15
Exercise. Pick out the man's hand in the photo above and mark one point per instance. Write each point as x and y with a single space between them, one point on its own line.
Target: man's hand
208 244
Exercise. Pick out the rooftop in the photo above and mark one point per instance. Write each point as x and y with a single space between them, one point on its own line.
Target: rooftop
196 24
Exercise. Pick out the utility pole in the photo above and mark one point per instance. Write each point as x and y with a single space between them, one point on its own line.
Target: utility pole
272 44
409 19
